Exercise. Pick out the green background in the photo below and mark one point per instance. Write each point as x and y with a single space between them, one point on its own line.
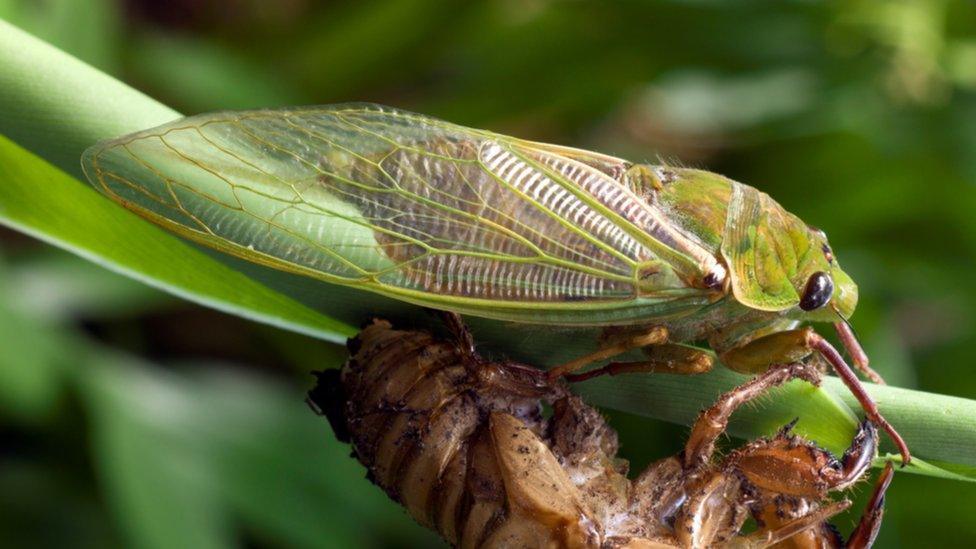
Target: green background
131 418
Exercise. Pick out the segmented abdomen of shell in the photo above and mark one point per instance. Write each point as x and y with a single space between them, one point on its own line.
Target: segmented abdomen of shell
460 442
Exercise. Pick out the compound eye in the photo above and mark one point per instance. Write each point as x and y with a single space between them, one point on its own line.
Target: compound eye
817 292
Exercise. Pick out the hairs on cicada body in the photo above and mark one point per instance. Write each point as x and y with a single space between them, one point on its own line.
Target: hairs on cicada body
463 444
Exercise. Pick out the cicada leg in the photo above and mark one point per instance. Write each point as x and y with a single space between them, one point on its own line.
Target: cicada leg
666 358
858 357
616 346
794 345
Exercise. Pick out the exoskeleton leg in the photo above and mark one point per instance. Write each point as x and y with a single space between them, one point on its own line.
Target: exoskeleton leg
459 330
869 525
783 479
794 345
786 480
812 526
714 420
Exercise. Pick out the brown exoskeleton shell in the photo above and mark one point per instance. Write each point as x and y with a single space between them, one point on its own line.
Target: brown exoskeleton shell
463 444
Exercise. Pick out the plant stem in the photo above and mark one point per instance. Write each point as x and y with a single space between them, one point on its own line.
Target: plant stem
56 105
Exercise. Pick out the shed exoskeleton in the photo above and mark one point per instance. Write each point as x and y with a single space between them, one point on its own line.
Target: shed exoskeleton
464 445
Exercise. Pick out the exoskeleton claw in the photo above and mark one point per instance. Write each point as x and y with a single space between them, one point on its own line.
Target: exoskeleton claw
870 524
789 465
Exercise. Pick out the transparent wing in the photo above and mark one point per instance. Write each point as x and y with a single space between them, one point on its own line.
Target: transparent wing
398 202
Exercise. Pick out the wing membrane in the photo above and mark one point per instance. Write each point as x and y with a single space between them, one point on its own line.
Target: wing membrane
392 201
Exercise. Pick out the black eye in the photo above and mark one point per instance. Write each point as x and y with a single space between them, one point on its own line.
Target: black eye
817 292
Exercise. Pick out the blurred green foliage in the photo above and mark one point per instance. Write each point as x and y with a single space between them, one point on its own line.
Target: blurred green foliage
130 419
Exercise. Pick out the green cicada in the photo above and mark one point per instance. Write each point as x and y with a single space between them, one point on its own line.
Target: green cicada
478 223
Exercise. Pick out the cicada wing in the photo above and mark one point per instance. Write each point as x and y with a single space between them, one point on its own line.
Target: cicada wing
759 250
639 223
381 199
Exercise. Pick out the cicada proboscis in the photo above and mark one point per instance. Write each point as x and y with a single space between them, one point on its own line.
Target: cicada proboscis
478 223
462 443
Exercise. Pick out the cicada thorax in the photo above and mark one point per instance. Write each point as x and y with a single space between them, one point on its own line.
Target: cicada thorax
697 201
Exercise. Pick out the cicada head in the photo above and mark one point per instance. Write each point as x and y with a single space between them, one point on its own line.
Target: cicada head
776 261
827 290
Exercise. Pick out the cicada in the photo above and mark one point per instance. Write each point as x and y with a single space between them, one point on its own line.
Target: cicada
478 223
462 443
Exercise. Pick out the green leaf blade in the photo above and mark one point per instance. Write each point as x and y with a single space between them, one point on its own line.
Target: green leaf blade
56 106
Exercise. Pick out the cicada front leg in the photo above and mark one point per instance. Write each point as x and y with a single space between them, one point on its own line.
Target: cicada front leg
858 357
756 355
